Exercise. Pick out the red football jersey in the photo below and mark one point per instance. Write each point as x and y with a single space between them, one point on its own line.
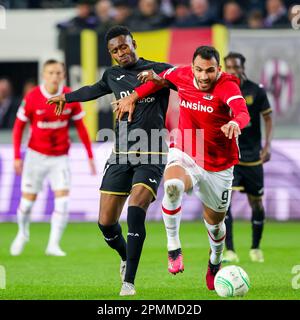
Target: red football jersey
49 133
202 114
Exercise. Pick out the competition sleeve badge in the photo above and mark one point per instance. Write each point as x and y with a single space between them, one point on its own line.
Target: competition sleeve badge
208 97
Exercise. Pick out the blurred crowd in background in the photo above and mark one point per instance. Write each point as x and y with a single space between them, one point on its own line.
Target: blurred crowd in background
10 102
142 15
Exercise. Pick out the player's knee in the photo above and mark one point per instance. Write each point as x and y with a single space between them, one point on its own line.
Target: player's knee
26 205
106 218
217 231
258 214
256 204
61 205
110 232
174 189
141 199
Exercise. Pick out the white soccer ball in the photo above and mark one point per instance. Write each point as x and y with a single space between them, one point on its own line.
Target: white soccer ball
231 281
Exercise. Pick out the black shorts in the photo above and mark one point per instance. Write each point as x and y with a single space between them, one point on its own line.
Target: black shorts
119 179
249 179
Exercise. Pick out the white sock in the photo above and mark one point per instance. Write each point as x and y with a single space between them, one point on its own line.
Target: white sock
23 217
59 221
171 210
216 237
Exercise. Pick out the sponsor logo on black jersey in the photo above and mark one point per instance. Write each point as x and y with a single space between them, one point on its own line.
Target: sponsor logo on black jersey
249 99
121 77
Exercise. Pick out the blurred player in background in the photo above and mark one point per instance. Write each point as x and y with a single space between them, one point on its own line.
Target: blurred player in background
121 177
8 104
210 100
248 174
46 155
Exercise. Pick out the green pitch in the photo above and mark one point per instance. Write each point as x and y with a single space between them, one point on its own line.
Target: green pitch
91 269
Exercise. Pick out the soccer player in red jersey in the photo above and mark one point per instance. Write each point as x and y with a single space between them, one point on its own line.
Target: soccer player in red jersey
47 154
212 108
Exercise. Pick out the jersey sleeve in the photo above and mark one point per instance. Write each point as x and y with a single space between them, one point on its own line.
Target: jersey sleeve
230 94
161 67
150 87
77 112
171 75
18 129
84 137
230 91
25 109
92 92
262 101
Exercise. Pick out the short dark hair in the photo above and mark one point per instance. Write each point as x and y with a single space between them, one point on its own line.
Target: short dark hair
207 53
53 61
236 55
116 31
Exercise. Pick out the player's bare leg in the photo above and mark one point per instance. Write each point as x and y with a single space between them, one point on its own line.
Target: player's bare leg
59 220
139 202
23 219
214 222
176 182
257 220
110 210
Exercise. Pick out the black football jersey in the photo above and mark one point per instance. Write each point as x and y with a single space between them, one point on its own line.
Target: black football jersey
257 104
149 114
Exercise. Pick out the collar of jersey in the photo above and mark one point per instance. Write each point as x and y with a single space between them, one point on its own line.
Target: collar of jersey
137 64
47 95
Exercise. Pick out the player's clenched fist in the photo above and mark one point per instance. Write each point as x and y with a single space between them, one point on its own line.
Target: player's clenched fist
150 75
231 129
60 102
147 75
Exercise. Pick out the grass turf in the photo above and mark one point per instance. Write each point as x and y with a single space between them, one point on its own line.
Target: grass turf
91 268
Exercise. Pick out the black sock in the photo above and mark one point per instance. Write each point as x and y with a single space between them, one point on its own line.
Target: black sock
229 228
114 238
135 240
258 216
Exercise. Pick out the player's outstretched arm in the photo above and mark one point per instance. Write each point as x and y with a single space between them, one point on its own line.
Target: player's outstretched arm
17 139
85 93
240 119
231 95
150 75
151 83
265 153
85 139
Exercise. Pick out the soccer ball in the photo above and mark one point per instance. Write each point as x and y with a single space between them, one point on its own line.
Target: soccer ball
231 281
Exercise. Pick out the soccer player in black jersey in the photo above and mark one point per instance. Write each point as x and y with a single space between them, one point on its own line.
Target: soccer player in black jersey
122 177
248 174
